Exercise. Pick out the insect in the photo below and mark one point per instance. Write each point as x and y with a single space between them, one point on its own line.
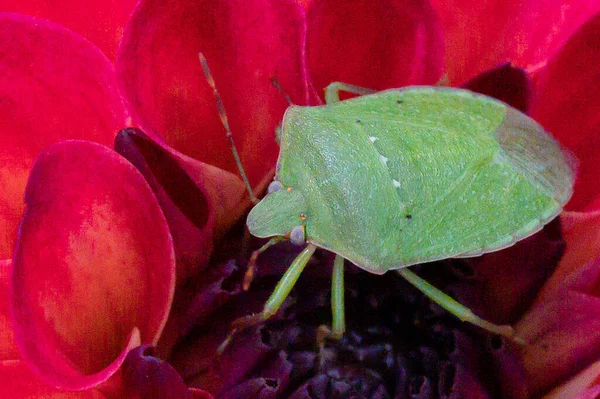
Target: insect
404 176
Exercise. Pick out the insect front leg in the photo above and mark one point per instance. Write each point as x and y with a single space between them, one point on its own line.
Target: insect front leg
458 310
332 91
281 292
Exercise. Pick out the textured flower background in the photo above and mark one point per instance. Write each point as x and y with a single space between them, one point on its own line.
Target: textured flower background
122 241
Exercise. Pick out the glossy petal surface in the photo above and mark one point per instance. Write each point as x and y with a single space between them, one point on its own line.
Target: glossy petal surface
480 35
94 262
378 45
566 104
54 85
246 44
101 22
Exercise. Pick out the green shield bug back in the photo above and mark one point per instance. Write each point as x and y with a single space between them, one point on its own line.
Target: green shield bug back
414 175
405 176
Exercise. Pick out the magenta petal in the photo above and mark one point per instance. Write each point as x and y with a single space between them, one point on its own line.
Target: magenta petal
247 43
482 34
566 104
374 44
94 262
101 22
54 86
8 348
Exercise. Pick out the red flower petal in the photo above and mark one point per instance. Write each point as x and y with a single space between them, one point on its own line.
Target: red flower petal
480 35
566 104
247 43
584 385
506 83
18 382
93 263
8 349
374 44
147 376
54 85
562 331
101 22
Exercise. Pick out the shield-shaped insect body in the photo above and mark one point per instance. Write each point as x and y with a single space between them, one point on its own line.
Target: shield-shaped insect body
413 175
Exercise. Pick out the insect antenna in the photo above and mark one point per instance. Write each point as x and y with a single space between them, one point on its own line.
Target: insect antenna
286 96
225 122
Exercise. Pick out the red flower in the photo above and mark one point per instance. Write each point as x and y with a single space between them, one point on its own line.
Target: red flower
111 230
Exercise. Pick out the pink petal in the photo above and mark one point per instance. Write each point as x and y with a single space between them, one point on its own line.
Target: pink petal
480 35
374 44
18 382
585 385
93 263
54 85
581 231
566 104
247 43
101 22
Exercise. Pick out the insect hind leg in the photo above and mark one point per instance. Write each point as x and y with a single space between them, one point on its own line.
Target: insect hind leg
458 310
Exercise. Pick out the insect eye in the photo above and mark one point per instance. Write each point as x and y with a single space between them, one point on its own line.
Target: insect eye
274 186
297 236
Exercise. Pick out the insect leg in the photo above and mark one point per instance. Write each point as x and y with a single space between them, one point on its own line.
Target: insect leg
458 310
282 290
249 275
332 91
225 122
338 325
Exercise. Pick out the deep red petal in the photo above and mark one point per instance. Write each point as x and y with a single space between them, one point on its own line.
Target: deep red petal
374 44
566 104
585 385
8 348
101 22
246 43
507 83
481 35
94 262
54 85
18 382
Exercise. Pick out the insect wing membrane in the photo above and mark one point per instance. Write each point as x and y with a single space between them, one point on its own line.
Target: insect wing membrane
420 174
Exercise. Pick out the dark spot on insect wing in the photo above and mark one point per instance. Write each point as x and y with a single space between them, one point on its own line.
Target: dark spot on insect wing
409 216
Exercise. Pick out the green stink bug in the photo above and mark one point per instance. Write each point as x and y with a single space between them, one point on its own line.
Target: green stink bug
405 176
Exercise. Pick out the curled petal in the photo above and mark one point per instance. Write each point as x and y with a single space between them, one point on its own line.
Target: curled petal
94 262
54 85
147 376
101 22
480 35
18 382
566 105
379 45
246 43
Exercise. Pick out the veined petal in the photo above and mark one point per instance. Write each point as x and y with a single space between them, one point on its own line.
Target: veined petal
566 104
481 35
246 43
